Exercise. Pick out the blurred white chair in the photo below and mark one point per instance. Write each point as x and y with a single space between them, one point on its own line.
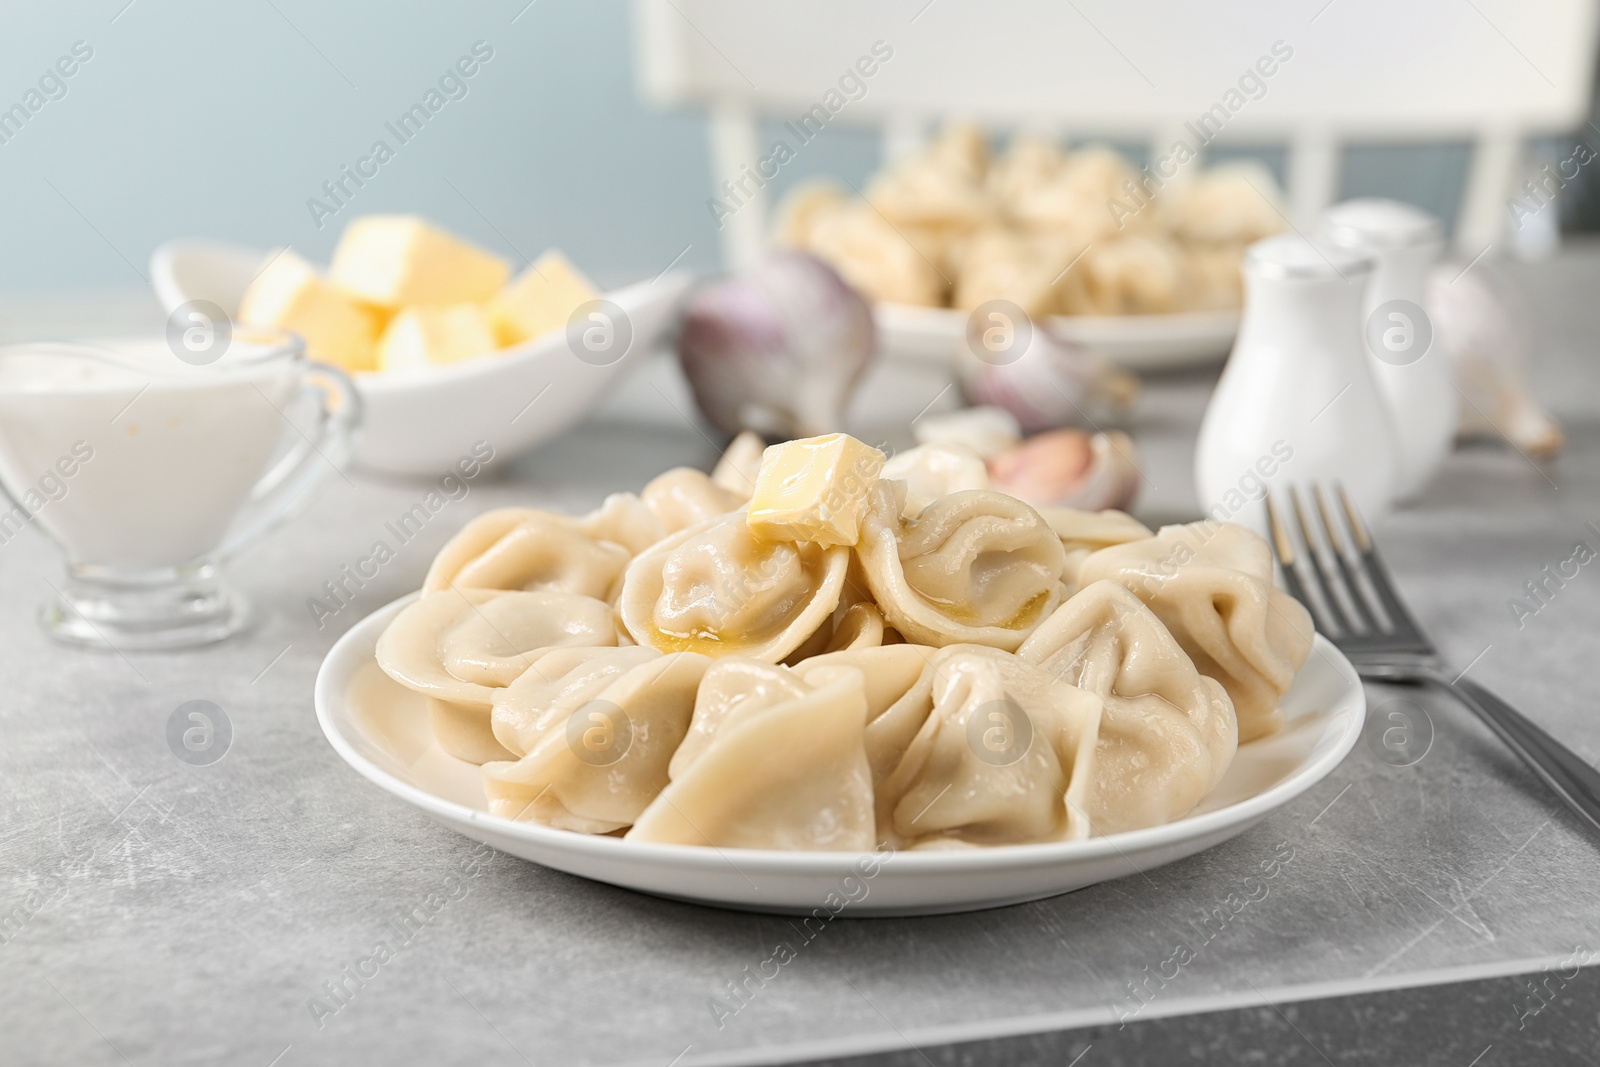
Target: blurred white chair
1494 72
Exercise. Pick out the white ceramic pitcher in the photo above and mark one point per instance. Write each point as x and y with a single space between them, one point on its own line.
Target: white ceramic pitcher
1297 402
1412 372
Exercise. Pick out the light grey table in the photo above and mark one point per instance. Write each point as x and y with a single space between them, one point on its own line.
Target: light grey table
154 912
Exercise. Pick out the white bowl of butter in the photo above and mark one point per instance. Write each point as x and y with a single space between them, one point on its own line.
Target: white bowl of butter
452 356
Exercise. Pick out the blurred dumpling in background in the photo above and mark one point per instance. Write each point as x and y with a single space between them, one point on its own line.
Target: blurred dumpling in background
1028 269
1229 204
1137 274
1031 163
871 254
948 226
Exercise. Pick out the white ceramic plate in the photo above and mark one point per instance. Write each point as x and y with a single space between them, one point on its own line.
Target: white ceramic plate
1134 342
381 729
422 422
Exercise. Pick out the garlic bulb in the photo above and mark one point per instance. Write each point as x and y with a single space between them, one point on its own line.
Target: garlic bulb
988 431
1052 383
1070 469
1479 317
778 349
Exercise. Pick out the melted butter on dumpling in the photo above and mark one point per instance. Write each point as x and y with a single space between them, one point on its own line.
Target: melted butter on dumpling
975 567
718 590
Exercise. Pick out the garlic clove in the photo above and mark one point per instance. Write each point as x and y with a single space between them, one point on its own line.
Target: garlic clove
778 349
1070 469
1052 383
988 431
1479 318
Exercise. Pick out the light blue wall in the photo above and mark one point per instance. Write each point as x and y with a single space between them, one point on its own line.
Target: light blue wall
222 118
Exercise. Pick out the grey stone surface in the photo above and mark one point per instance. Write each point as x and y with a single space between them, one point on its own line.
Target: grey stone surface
157 912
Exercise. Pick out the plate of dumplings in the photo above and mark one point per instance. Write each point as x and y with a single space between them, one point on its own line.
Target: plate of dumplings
1141 269
822 678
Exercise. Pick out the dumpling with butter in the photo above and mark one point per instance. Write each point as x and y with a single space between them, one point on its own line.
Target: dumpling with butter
1211 584
1167 734
975 567
718 589
461 646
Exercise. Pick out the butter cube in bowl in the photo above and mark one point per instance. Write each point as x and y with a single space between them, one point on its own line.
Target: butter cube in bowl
446 347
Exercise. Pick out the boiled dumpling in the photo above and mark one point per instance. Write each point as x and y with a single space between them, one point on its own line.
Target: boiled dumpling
527 549
1135 274
741 461
594 770
974 566
940 186
556 683
1086 532
623 519
874 257
460 647
1003 755
683 497
860 626
935 470
891 671
717 589
775 760
1026 269
1211 584
1167 734
1030 164
1235 203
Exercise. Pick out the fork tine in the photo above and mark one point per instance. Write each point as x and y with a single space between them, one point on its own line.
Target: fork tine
1333 608
1358 606
1377 572
1283 548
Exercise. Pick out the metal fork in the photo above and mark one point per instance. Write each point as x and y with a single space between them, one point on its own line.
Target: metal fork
1350 594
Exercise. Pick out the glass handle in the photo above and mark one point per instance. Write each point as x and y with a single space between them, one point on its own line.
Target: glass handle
327 448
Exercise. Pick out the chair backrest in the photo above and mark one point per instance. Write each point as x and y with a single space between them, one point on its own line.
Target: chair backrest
1311 76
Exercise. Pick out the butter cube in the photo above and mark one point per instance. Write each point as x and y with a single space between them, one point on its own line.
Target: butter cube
396 260
814 489
290 294
541 299
430 336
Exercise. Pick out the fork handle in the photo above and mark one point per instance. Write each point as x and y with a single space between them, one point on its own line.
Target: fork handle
1572 779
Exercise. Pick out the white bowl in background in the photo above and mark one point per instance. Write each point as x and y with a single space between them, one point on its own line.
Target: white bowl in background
421 422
